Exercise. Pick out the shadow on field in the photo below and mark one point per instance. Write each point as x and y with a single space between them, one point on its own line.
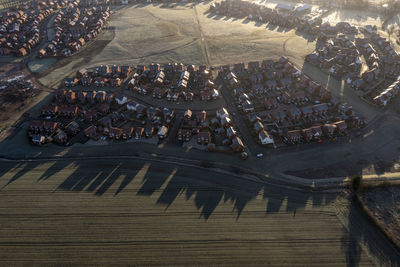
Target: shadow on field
364 235
257 23
205 188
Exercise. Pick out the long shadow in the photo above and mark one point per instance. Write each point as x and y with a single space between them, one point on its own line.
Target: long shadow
363 234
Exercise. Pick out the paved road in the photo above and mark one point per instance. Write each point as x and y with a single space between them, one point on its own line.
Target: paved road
148 213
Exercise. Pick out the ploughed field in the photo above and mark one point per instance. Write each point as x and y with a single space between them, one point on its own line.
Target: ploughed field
153 213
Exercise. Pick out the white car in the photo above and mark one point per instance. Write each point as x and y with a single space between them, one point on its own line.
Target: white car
260 155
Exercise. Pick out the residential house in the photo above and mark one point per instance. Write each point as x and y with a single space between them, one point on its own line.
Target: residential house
60 137
68 111
203 138
231 133
237 144
115 133
184 135
104 108
139 131
265 138
226 122
49 110
72 128
162 132
187 115
148 131
91 132
258 126
294 136
201 116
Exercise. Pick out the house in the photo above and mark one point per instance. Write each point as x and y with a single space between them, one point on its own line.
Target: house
104 108
38 139
139 131
91 132
100 81
72 128
247 106
49 110
159 92
258 126
91 97
278 116
237 144
189 96
70 97
121 100
90 115
294 136
320 109
231 133
127 133
265 138
105 122
115 82
60 137
162 132
115 133
101 96
68 111
188 114
82 97
131 106
168 114
317 132
184 135
270 103
329 129
294 114
205 95
307 111
69 82
253 117
201 116
308 134
49 127
226 122
203 138
35 126
341 127
148 131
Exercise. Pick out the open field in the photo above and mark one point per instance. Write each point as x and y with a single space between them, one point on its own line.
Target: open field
146 213
383 204
157 34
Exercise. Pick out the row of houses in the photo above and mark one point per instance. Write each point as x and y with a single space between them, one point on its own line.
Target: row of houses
337 54
83 97
384 97
74 27
216 131
20 30
317 132
41 132
302 104
306 20
17 89
175 81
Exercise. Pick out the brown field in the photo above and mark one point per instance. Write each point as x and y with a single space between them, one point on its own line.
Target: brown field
147 213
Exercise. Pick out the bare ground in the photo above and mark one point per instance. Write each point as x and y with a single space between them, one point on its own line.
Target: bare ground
383 204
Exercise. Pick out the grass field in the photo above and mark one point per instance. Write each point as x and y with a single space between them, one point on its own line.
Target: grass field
147 34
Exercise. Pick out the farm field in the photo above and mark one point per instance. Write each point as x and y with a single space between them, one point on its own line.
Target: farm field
149 213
